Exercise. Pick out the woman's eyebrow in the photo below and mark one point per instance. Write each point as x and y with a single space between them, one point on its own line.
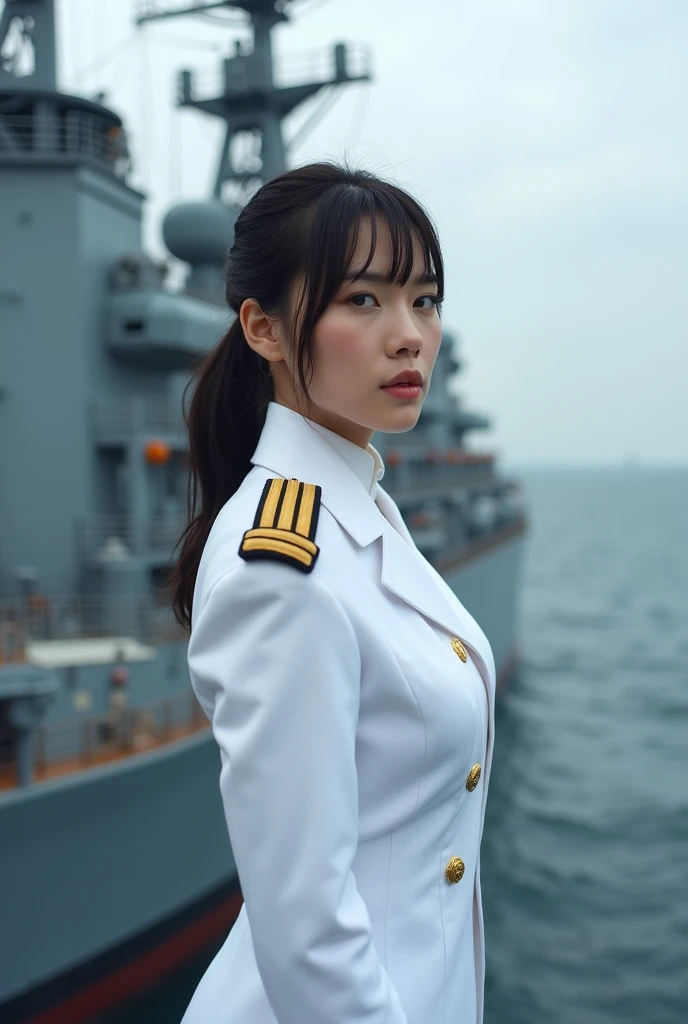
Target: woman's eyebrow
371 275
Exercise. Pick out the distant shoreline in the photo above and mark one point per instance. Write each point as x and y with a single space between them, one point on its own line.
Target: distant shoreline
567 467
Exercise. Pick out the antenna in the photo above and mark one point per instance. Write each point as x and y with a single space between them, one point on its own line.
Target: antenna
244 94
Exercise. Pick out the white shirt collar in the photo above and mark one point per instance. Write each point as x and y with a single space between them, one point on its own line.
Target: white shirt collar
366 463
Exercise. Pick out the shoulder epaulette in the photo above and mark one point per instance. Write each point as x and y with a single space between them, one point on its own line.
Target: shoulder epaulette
285 524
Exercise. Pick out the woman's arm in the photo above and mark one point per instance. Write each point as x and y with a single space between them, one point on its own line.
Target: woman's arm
275 657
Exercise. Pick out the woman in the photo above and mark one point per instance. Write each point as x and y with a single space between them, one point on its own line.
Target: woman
349 690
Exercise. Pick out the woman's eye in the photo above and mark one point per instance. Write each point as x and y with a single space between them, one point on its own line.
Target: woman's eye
361 295
434 301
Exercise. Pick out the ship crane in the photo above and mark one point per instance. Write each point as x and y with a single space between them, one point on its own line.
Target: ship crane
245 95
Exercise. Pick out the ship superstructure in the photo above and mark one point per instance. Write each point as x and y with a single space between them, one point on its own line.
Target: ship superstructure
108 771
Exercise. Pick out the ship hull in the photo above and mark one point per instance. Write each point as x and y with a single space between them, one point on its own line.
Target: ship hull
98 860
124 872
131 968
488 582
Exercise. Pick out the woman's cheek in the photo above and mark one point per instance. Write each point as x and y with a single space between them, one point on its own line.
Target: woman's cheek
340 340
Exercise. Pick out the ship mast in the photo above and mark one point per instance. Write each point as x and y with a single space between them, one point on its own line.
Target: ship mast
246 97
40 126
27 37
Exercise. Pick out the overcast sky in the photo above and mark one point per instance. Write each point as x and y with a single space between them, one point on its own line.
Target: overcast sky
549 141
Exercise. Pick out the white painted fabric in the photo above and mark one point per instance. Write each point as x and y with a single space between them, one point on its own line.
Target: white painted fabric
367 465
347 726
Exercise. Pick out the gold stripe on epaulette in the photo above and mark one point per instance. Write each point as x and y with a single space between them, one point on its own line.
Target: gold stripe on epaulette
285 535
285 524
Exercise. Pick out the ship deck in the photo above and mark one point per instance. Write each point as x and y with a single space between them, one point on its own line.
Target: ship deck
146 735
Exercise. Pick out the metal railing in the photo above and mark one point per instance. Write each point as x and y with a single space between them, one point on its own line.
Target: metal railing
75 133
112 536
426 455
136 414
291 70
408 484
97 738
80 617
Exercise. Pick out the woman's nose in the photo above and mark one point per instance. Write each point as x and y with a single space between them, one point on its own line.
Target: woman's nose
405 333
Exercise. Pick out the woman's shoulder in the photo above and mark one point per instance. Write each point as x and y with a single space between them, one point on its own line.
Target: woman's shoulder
220 553
228 547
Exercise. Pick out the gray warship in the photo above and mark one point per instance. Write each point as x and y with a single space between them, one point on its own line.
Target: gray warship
115 865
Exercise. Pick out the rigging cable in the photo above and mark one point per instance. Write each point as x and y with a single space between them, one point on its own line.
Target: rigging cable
177 41
324 107
312 5
360 107
103 58
144 107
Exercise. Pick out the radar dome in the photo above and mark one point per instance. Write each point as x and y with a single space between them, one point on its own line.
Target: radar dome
199 232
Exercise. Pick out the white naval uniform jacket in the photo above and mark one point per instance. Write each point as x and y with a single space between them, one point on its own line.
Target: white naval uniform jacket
348 726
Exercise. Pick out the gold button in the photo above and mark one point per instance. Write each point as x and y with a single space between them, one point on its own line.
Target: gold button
454 870
473 776
459 648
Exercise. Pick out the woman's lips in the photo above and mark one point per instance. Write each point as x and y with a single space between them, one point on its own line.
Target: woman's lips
407 391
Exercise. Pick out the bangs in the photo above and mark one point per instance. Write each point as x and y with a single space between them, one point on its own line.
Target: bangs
331 236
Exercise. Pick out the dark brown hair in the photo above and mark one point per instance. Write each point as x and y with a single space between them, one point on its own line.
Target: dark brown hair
303 222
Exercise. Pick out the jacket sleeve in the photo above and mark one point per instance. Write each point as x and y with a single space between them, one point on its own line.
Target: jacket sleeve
274 658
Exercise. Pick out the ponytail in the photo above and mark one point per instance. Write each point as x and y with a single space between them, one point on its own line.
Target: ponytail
224 423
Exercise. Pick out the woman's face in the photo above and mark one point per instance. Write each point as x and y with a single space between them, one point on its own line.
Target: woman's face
369 332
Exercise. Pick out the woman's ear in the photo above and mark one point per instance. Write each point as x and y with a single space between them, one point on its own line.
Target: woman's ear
261 331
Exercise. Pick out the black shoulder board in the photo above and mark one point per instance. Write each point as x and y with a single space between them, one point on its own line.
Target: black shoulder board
285 524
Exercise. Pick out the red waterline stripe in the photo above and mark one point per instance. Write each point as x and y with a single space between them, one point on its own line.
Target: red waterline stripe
135 977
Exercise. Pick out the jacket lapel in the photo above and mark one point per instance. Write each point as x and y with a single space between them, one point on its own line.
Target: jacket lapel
290 447
410 576
406 573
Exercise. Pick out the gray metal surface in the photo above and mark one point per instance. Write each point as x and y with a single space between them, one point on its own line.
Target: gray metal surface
100 855
110 817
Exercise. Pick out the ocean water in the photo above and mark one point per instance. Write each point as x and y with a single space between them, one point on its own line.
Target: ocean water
585 849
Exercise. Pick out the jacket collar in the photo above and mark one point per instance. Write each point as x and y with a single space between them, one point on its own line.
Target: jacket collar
290 446
367 464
